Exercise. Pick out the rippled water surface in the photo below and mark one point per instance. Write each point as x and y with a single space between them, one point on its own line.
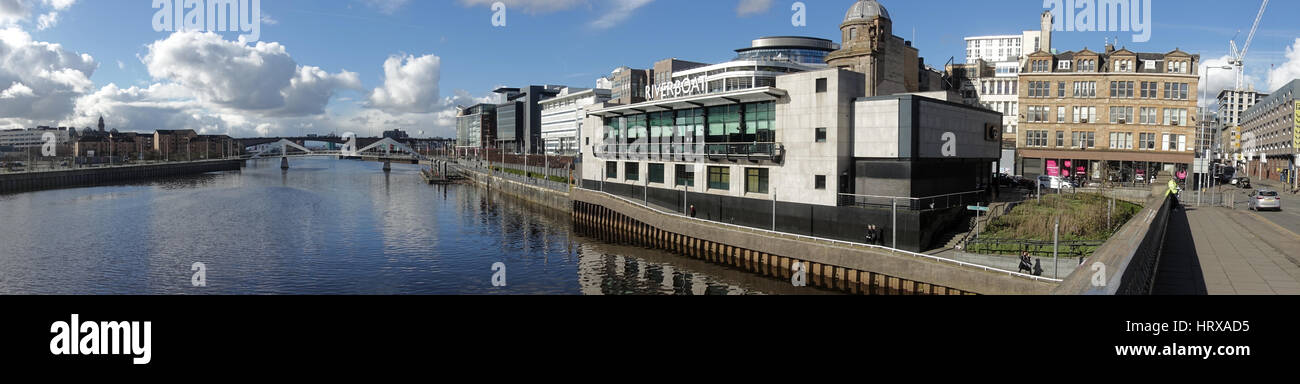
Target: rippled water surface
323 227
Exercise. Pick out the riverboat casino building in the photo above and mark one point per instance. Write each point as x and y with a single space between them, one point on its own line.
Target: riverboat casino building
867 137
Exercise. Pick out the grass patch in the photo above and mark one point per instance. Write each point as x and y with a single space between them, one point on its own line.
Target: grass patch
1082 216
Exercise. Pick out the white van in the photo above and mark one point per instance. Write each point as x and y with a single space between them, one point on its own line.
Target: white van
1054 182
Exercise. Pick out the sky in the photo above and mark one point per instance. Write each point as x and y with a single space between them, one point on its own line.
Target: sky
365 66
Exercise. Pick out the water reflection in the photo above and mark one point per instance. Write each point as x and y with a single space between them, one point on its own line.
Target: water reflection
324 227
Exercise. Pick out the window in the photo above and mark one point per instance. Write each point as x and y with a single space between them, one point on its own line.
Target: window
821 85
1121 115
1036 138
1063 65
819 182
1060 89
685 175
632 171
720 178
1121 89
1085 89
656 173
756 180
1176 117
1060 114
1085 115
1083 139
1038 114
1149 90
1147 141
1060 139
821 135
611 169
1121 140
1149 116
1176 91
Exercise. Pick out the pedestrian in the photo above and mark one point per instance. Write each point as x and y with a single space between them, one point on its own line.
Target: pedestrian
871 235
692 210
1026 265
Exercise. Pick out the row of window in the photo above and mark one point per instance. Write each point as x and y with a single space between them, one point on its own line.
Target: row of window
1118 65
1118 89
1118 115
737 123
1118 140
757 180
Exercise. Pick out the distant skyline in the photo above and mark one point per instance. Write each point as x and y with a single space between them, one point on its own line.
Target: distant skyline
365 66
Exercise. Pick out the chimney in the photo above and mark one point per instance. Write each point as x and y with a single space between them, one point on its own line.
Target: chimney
1047 23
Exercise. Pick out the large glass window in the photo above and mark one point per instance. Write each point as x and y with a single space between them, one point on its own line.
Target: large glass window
611 169
760 121
724 122
632 171
656 173
720 178
685 175
756 180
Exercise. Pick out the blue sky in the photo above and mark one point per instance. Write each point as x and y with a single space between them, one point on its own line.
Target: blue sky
369 65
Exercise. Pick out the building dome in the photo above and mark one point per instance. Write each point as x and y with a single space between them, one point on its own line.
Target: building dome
866 10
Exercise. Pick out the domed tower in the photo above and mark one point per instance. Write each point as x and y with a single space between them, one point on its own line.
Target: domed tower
868 46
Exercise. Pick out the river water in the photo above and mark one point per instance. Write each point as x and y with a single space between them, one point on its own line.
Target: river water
324 227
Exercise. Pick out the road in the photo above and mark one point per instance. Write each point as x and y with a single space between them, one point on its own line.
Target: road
1220 251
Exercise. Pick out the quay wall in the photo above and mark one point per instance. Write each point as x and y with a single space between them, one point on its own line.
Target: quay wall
34 181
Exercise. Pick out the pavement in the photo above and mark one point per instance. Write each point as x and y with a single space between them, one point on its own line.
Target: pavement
1222 251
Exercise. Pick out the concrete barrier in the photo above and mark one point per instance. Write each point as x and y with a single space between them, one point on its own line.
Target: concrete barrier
32 181
533 194
1126 264
839 265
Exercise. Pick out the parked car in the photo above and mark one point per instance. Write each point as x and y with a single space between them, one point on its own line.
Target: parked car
1242 182
1054 182
1265 199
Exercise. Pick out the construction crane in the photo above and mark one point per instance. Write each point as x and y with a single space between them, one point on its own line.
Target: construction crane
1238 58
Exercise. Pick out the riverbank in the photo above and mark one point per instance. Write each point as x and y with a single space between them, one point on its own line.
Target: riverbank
34 181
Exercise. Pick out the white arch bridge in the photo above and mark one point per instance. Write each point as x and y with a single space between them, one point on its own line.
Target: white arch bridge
386 151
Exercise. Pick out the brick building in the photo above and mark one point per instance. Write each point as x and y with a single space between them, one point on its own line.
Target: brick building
1115 115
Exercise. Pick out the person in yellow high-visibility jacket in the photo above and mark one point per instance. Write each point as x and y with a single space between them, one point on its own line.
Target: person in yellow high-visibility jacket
1173 190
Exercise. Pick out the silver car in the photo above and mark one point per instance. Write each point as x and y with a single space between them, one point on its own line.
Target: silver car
1265 199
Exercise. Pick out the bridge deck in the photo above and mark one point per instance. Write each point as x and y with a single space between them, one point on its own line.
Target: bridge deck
1218 251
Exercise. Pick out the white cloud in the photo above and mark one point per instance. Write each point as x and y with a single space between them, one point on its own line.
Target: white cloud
622 9
260 78
1220 79
752 7
410 85
59 5
1288 71
47 21
16 90
13 10
51 78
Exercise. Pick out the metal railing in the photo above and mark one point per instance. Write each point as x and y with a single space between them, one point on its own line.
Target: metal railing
536 176
952 200
839 243
695 151
1040 248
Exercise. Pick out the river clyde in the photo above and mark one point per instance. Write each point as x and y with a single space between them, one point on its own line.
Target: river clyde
325 227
